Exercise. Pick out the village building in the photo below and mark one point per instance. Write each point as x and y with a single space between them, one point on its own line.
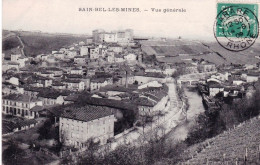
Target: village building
51 59
80 60
152 101
94 53
252 77
14 80
84 51
20 105
71 54
45 73
143 78
59 55
55 71
78 125
97 83
214 88
130 57
13 65
74 84
115 48
58 85
51 97
205 66
119 58
43 81
76 71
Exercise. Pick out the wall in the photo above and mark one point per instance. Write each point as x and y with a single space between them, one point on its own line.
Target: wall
78 132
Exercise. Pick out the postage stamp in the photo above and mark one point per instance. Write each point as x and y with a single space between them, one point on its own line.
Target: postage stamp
236 26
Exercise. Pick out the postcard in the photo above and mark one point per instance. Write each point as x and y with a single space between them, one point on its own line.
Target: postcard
130 82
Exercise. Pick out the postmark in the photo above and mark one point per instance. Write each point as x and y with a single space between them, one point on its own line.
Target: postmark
236 26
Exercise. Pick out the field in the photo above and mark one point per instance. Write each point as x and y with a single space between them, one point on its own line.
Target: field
38 43
181 51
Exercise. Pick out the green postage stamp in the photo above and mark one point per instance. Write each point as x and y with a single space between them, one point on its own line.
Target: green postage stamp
236 26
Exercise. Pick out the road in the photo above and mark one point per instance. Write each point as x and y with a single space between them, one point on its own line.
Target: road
166 123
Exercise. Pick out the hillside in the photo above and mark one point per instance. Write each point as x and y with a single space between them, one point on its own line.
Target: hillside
38 43
229 147
175 51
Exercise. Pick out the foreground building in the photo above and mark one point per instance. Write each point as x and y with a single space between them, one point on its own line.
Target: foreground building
78 125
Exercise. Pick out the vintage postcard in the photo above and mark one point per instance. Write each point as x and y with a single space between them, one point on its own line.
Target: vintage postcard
140 82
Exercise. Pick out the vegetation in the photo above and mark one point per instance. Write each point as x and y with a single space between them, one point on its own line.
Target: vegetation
40 43
48 131
151 149
10 43
13 154
215 122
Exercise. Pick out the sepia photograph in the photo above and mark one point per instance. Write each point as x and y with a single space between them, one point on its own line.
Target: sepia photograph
140 82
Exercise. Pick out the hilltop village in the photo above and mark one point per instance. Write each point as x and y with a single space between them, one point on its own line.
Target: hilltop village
107 89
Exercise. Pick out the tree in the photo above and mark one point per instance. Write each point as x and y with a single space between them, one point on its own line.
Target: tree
13 154
45 130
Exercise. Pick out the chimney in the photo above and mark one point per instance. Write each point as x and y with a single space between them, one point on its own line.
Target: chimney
126 80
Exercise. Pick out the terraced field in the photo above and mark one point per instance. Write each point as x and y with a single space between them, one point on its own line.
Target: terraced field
180 51
230 147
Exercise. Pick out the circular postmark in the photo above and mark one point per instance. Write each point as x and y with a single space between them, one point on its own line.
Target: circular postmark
236 27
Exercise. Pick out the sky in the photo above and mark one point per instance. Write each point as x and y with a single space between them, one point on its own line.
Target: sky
63 16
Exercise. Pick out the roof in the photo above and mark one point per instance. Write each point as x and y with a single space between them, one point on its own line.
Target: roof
72 75
76 69
151 74
118 56
71 81
213 84
87 113
256 74
79 57
52 94
20 98
57 83
38 108
13 63
54 69
99 80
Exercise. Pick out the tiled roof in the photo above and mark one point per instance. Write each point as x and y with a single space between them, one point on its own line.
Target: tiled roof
57 83
87 113
72 75
20 98
54 69
53 94
254 74
71 81
151 74
13 63
98 80
214 85
79 57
